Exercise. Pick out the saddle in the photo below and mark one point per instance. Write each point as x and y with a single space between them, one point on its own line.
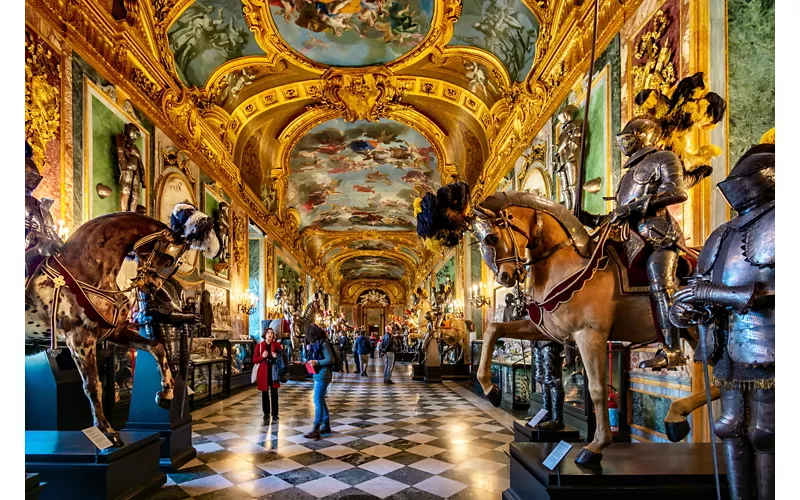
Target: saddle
633 274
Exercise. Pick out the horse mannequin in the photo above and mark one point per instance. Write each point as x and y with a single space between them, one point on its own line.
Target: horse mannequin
93 256
516 229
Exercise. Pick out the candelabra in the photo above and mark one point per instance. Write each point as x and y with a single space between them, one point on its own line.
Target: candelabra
248 303
477 297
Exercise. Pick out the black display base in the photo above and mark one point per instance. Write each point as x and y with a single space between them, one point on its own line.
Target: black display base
298 372
54 398
404 357
73 468
433 374
525 434
241 380
417 372
33 485
657 471
455 372
174 425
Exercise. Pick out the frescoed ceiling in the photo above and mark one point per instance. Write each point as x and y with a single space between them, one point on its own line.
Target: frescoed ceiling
326 119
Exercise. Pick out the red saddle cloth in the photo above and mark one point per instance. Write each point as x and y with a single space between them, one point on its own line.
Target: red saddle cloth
633 275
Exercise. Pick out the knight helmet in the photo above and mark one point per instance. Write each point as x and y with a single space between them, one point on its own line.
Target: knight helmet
640 132
751 183
567 114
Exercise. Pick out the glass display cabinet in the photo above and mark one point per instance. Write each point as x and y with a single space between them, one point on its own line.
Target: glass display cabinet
511 369
208 372
239 354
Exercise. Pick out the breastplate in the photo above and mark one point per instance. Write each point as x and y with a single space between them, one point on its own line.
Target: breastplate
751 335
639 180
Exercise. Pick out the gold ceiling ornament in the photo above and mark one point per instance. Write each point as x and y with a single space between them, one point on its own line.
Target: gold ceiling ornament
350 292
366 96
239 237
174 157
42 98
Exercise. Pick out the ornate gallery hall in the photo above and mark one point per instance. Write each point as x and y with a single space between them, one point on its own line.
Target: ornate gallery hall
403 249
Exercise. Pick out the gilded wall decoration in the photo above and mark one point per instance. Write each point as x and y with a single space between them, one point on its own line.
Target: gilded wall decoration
655 61
43 115
250 165
359 176
239 238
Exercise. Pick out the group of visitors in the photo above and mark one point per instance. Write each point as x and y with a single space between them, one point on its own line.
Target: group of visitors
268 353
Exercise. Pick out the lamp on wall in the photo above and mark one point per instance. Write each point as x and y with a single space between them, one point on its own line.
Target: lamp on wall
248 302
476 296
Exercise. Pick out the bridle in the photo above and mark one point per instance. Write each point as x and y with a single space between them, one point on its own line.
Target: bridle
164 245
505 220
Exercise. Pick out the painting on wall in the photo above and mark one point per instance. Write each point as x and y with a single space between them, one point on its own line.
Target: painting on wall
105 120
220 306
360 175
371 245
533 170
206 35
288 275
448 270
505 28
352 32
211 200
365 267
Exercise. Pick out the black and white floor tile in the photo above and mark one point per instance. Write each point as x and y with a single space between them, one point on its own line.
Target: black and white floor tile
404 441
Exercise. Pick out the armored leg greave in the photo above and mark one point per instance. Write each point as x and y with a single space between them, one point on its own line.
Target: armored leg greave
661 268
731 428
553 387
761 434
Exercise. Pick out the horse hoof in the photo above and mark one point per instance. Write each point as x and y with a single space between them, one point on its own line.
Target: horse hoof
677 431
116 441
588 457
495 396
163 402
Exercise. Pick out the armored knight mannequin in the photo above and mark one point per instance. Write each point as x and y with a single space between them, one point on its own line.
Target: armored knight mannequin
131 169
653 180
732 300
223 231
41 238
568 152
509 310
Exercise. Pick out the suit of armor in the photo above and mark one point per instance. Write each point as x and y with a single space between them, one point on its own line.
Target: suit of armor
41 238
568 153
732 300
653 181
131 169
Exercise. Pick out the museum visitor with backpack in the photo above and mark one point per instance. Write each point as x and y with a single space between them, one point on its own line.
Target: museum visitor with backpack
324 361
363 348
268 363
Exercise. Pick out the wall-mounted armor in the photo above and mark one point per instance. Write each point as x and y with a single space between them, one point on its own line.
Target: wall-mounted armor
568 153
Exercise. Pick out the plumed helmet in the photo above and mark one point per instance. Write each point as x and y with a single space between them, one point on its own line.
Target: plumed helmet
32 175
751 183
641 132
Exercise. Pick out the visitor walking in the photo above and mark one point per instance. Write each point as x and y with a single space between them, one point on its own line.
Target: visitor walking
344 346
266 355
321 359
362 348
388 347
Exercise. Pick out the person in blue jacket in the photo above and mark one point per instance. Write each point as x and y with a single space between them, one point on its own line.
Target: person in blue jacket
321 358
363 348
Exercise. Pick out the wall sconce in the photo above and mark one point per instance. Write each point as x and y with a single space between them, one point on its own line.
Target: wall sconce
476 296
456 307
248 303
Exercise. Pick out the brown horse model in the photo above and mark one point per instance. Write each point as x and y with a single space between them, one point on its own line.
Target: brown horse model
76 292
576 291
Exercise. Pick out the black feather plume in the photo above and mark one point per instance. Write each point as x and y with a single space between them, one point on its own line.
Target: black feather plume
443 216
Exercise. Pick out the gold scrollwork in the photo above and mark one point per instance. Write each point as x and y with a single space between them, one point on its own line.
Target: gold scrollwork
42 98
657 71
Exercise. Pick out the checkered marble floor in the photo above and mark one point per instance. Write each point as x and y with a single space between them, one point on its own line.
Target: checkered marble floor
404 441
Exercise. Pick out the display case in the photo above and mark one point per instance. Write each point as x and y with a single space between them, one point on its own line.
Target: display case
116 365
208 372
239 354
511 372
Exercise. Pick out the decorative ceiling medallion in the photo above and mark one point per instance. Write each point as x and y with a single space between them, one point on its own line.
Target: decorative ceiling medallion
208 34
352 33
360 175
372 298
365 267
506 28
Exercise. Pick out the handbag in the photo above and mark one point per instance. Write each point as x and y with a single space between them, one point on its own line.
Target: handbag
254 373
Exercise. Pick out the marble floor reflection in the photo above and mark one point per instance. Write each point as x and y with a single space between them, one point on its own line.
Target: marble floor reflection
404 441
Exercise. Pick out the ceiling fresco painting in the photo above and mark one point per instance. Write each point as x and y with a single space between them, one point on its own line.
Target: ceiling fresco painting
360 175
505 28
411 254
365 267
208 34
352 32
371 245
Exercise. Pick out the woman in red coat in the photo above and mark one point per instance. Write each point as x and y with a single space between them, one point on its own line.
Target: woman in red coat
266 354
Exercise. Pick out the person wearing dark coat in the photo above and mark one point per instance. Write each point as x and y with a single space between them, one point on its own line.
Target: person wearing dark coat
363 348
344 346
322 359
266 354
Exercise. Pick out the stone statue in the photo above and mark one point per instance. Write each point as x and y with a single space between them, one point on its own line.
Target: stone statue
131 168
568 152
41 238
222 226
732 300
